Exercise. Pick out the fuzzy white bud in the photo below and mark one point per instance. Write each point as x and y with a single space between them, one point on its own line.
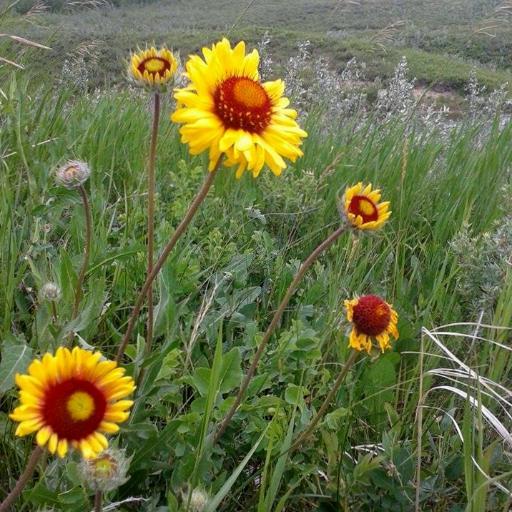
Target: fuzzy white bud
198 500
107 471
51 292
73 174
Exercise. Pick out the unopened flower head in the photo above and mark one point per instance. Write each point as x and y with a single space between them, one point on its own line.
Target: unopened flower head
153 68
198 498
371 318
362 208
50 292
73 174
70 399
107 471
227 110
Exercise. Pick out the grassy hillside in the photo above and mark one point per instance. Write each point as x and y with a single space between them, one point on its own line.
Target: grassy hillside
442 40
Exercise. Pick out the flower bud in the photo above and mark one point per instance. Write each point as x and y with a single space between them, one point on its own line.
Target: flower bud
51 292
73 174
198 500
107 471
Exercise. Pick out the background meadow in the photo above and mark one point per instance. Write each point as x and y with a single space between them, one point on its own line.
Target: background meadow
424 427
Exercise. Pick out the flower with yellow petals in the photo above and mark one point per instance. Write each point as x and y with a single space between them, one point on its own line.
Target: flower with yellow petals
362 207
153 68
371 318
70 398
227 110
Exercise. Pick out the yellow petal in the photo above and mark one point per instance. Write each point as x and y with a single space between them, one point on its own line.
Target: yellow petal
62 448
43 435
52 443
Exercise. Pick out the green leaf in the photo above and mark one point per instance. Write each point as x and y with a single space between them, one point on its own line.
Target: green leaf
169 364
15 359
231 373
172 502
335 419
294 395
201 380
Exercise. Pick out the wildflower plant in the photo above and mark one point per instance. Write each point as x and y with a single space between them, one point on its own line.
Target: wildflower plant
73 175
72 398
226 111
363 209
155 70
50 292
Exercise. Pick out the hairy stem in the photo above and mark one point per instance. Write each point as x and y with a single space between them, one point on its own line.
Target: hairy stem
151 222
55 317
323 408
202 193
87 250
273 324
98 501
22 480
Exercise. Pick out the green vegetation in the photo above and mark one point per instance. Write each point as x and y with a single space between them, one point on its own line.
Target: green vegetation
235 263
424 427
438 37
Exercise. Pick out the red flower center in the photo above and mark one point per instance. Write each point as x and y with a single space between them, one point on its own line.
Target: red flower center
365 207
74 409
371 315
243 103
154 66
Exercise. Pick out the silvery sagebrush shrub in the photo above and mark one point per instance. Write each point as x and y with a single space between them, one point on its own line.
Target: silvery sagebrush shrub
483 261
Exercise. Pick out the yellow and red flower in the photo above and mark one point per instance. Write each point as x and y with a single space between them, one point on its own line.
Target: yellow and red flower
371 318
363 209
152 67
227 110
70 398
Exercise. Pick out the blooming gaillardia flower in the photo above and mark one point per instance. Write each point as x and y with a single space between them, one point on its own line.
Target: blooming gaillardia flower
371 318
227 110
153 68
362 207
70 398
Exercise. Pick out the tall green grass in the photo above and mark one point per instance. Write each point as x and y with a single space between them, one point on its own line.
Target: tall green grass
233 265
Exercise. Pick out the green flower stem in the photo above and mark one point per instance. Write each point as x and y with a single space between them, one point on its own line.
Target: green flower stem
273 324
323 408
194 205
22 480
